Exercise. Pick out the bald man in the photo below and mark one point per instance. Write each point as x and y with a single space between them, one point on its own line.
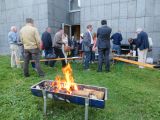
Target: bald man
13 41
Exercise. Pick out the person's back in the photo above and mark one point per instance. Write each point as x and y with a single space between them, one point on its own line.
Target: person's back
57 44
103 43
142 45
142 39
30 37
47 40
103 37
117 38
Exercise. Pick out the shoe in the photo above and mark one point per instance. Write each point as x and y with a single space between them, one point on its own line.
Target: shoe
27 75
87 69
35 69
99 70
41 76
107 71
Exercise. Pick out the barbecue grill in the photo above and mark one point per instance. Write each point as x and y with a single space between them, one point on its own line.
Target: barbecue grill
40 91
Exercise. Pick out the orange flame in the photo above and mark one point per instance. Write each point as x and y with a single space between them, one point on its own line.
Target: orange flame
65 84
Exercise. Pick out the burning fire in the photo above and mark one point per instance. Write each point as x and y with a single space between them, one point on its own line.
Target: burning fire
65 84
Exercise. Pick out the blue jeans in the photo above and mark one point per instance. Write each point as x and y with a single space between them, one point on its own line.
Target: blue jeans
92 56
87 57
117 48
50 63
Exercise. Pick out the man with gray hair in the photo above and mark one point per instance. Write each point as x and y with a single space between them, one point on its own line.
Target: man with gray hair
30 38
142 45
13 41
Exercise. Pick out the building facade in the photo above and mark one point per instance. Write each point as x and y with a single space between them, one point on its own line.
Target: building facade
52 13
75 15
125 15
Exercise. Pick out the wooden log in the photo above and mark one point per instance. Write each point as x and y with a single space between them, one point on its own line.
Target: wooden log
134 62
81 93
94 94
56 59
98 94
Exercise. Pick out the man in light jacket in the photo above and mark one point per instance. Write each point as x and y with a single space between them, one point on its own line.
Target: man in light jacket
30 38
57 46
13 41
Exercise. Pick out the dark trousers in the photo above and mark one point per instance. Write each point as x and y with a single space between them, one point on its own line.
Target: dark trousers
103 53
32 54
49 51
60 54
22 56
92 56
87 57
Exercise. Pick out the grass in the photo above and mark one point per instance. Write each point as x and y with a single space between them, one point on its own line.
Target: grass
134 94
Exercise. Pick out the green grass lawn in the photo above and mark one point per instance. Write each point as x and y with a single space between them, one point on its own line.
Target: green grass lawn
134 94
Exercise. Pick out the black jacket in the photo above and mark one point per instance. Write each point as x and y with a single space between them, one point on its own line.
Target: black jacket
47 40
134 42
117 38
103 37
142 41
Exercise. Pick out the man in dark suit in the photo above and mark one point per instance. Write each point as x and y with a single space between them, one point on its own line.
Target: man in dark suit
87 46
47 44
103 44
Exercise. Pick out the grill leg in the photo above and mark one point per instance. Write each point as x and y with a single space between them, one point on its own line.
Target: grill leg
44 102
86 108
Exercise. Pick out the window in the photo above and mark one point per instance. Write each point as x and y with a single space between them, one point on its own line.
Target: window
74 5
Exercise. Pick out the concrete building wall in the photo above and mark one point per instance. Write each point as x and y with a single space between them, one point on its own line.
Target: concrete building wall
74 18
124 15
58 13
14 12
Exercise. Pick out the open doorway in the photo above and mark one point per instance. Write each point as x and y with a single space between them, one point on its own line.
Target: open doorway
74 42
76 31
67 29
72 30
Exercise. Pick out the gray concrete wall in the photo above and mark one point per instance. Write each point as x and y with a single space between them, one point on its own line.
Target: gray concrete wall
14 12
125 15
74 5
74 18
58 13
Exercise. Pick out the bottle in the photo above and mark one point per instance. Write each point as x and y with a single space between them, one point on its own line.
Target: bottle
134 53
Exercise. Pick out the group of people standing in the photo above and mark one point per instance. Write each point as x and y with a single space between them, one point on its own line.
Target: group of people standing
102 44
142 45
31 43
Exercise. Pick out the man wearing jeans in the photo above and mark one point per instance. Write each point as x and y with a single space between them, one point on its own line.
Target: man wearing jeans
13 41
30 38
117 38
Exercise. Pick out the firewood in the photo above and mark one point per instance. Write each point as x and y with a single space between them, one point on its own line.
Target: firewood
93 94
98 94
81 93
